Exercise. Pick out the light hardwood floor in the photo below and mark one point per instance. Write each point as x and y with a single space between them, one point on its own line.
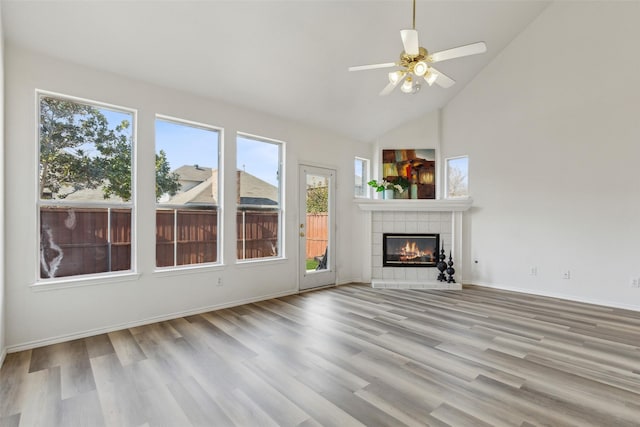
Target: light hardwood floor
344 356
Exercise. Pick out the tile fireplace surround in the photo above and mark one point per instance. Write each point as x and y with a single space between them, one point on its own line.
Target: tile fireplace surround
413 216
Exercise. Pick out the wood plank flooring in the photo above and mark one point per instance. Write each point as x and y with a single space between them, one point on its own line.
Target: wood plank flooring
345 356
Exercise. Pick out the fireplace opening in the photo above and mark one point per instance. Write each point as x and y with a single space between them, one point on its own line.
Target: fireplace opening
410 250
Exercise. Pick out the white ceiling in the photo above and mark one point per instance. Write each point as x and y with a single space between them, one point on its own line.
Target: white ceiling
288 58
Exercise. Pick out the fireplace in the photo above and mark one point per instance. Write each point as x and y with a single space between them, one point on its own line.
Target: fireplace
410 249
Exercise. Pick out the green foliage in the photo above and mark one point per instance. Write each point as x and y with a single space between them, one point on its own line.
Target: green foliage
166 181
318 198
402 182
79 150
63 161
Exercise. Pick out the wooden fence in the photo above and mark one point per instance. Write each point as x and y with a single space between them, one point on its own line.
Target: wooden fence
76 241
317 238
197 232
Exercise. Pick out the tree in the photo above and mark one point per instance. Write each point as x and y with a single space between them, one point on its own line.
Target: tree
166 181
457 182
318 198
80 149
63 160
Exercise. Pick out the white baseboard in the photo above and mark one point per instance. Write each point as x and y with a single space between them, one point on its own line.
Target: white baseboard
3 354
573 298
410 284
92 332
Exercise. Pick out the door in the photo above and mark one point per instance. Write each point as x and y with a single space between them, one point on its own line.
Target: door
316 227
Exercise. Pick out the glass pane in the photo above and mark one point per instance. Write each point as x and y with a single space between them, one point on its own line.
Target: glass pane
258 197
317 234
258 233
361 177
458 177
187 184
85 152
197 230
76 241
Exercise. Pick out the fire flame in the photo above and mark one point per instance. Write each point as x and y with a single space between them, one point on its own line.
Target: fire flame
410 251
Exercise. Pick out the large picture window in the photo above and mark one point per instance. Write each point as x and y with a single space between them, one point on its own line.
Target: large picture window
259 198
84 184
187 193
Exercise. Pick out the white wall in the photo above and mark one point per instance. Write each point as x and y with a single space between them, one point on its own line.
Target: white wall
38 317
2 264
553 133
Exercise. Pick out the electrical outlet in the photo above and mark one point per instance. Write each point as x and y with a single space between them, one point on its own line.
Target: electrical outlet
635 283
219 281
533 271
566 274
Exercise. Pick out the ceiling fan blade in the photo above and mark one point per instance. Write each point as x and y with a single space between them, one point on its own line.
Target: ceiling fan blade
457 52
410 42
387 89
391 86
442 80
372 66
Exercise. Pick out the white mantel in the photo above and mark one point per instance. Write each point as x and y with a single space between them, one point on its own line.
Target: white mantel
411 205
443 216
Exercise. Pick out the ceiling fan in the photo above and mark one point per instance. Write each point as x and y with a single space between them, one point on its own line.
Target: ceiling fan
415 63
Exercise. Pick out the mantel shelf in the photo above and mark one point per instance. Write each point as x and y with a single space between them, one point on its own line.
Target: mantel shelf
422 205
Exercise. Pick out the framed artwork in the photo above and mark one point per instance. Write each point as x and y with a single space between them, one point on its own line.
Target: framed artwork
414 169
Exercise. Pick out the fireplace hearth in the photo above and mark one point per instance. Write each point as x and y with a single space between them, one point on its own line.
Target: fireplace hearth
410 249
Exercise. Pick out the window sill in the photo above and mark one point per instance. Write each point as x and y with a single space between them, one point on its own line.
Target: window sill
258 261
71 282
189 269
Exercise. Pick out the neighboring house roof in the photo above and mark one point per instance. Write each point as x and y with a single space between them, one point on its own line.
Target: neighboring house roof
253 191
193 173
89 194
203 191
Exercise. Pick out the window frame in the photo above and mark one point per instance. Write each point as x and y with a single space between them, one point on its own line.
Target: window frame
281 247
46 283
219 207
446 178
365 180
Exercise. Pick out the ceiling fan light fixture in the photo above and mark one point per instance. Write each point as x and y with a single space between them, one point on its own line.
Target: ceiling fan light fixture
395 77
420 68
430 77
407 86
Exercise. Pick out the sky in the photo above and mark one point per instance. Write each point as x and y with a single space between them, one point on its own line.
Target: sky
187 144
190 145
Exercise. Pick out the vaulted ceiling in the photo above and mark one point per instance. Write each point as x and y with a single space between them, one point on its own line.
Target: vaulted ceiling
287 58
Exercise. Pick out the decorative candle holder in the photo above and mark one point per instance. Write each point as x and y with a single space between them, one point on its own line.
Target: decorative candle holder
441 265
450 271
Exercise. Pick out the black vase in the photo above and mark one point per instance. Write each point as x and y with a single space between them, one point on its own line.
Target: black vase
451 271
442 266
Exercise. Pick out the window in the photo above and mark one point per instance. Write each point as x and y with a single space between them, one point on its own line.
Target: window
187 193
85 192
361 177
457 177
259 197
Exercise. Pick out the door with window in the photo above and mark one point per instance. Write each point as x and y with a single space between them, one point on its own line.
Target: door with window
316 227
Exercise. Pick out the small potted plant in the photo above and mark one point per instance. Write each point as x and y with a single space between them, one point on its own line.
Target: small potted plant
385 187
400 186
